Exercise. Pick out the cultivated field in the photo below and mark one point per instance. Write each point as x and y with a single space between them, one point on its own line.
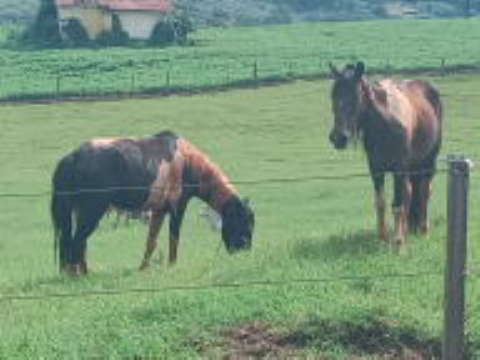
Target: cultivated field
225 56
306 229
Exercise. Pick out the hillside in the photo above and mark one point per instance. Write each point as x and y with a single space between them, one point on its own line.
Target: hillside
286 11
14 11
251 12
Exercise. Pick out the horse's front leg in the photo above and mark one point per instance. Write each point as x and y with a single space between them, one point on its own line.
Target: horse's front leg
152 238
401 206
176 218
380 204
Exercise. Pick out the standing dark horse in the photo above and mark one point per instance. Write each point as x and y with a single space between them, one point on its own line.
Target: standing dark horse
159 175
400 124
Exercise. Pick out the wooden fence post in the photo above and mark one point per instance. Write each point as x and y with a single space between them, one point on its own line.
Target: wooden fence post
456 257
57 86
133 83
168 77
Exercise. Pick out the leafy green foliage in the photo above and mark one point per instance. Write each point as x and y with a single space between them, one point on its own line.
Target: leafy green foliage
172 29
45 31
75 34
116 37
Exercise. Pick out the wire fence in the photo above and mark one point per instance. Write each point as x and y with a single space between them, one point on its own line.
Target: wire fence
230 285
270 181
165 77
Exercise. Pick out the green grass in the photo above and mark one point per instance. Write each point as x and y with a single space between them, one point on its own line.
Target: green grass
225 56
313 229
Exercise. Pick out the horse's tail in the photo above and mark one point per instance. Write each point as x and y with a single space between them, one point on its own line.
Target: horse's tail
433 95
61 208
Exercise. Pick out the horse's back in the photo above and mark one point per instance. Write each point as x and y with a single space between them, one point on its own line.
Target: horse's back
120 170
416 105
423 89
427 135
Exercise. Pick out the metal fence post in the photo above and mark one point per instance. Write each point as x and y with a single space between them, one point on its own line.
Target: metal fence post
454 325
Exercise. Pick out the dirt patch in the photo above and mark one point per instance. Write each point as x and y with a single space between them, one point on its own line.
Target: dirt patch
254 340
377 340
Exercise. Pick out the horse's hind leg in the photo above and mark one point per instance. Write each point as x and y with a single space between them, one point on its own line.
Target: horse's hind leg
401 206
425 190
88 216
415 211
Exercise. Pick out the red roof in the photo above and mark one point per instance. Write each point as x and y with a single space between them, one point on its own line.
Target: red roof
123 5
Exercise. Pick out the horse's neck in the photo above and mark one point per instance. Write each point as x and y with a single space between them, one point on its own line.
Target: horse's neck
213 186
372 120
375 105
217 189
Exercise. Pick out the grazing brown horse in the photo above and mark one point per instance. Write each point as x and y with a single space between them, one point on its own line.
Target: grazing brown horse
400 124
158 175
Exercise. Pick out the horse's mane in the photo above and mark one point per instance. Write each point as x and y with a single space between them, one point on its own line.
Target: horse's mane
165 134
207 169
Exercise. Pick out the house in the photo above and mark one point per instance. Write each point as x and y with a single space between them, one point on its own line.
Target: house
137 17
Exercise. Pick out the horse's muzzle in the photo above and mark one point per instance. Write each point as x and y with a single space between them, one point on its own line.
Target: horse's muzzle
246 245
339 140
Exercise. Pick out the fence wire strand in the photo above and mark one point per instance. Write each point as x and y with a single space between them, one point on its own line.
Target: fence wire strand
232 285
270 181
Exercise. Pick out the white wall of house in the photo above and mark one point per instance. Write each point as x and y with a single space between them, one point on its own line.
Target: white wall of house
139 24
94 20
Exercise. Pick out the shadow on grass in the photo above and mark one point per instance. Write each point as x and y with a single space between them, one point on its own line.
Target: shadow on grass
370 336
337 246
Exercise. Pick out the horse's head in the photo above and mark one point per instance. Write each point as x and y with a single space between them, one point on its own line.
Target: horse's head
238 221
347 103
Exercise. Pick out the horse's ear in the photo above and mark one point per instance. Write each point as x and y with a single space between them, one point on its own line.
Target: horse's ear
333 70
359 70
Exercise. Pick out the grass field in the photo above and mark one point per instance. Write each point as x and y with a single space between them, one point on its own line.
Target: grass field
225 56
305 230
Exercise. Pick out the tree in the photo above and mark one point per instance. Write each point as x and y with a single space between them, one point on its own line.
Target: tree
45 30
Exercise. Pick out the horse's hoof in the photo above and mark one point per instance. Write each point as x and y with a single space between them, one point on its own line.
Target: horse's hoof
383 234
398 243
424 229
144 266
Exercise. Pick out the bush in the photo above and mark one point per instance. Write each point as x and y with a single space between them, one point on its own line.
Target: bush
172 30
74 33
116 37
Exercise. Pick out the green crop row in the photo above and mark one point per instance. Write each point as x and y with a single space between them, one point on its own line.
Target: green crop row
223 56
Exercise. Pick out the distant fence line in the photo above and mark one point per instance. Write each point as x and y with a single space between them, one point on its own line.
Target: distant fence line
167 79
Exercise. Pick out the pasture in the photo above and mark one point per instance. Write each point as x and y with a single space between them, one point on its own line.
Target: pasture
307 229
